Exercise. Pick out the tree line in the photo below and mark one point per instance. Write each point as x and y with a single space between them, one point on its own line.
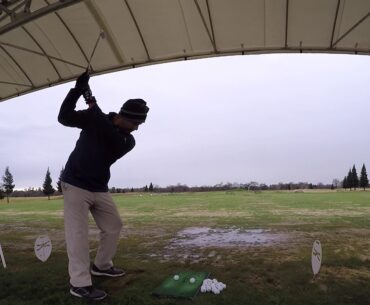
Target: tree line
350 181
7 187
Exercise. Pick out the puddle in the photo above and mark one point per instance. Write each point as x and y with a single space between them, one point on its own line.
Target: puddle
208 237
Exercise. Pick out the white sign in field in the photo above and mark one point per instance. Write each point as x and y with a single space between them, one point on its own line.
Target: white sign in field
316 258
43 247
2 257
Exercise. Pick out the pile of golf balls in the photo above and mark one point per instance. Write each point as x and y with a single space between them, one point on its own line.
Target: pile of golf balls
213 286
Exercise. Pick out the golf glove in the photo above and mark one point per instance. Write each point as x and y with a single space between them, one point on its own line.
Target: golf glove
82 85
87 94
82 82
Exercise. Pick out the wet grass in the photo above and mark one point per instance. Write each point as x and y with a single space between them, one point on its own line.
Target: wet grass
259 275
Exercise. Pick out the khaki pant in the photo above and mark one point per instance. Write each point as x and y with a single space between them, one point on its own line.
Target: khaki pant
77 204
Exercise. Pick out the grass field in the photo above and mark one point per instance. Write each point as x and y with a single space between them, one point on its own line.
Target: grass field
154 246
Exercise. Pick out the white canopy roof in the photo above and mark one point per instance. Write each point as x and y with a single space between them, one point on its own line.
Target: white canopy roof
47 42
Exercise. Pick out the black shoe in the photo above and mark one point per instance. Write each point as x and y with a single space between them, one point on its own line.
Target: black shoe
111 272
88 292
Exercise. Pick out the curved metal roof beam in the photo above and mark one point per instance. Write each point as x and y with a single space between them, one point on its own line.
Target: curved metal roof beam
212 29
10 12
185 25
29 16
286 23
334 24
211 37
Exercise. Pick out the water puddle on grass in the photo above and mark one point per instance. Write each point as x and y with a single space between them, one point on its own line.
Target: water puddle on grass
208 237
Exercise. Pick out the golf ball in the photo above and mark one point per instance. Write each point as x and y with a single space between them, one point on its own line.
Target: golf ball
176 277
192 280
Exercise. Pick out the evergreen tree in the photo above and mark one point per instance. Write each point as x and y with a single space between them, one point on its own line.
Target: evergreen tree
349 180
8 183
364 181
355 177
59 183
47 186
132 190
151 187
345 183
2 192
146 189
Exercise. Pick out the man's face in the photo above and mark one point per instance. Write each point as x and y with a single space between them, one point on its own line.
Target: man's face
126 125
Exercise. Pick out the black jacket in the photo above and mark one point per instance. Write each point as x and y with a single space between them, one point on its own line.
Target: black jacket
99 146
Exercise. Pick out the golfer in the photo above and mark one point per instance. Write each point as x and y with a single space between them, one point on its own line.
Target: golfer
103 140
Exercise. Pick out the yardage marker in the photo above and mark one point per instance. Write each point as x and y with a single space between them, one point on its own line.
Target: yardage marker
43 248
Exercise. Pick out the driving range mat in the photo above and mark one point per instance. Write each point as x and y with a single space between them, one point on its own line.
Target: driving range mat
181 288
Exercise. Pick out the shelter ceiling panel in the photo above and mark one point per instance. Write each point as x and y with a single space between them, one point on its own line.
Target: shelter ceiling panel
85 29
56 41
10 89
204 9
310 23
275 13
13 81
355 17
10 72
163 28
123 31
18 37
31 63
66 70
37 4
245 19
198 31
53 40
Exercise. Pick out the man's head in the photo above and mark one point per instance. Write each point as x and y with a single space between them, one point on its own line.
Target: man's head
132 114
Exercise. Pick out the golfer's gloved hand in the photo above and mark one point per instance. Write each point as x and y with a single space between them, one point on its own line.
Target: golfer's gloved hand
82 82
82 85
89 98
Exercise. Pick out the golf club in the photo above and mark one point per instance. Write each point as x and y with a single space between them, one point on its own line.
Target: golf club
100 36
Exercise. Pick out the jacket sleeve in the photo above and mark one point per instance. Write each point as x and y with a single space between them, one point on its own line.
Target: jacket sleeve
68 116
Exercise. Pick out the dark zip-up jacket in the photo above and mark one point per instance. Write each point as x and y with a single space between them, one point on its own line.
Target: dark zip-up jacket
99 146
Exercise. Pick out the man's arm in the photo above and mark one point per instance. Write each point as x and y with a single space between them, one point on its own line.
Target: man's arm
68 116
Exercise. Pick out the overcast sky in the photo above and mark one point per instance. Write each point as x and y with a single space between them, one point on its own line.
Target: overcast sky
265 118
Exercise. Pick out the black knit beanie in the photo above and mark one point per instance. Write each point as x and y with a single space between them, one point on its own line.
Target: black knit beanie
135 110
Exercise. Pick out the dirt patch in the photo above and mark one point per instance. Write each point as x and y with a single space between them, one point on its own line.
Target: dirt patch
207 237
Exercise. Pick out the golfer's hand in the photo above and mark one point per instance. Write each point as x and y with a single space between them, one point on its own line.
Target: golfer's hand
82 82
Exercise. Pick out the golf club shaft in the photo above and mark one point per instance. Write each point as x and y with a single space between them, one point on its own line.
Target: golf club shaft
101 35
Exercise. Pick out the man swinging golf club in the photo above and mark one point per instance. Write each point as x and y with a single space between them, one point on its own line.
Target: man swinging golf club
103 140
